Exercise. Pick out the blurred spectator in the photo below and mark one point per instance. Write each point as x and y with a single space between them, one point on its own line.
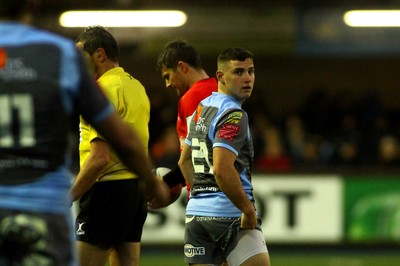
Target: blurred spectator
274 157
317 151
333 131
295 137
315 112
305 148
165 151
347 153
259 122
162 114
347 141
388 150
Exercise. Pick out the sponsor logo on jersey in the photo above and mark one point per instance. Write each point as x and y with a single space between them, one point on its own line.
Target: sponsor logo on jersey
3 58
234 118
228 132
198 113
17 70
204 189
22 162
200 125
191 251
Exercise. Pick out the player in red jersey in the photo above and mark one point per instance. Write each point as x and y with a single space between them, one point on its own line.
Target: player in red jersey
180 67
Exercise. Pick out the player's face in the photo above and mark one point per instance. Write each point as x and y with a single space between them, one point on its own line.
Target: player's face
238 78
174 80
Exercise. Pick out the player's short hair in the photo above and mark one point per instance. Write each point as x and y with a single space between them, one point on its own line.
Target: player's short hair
235 53
94 37
175 51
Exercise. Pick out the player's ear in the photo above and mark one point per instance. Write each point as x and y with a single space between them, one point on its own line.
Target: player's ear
183 66
100 55
220 76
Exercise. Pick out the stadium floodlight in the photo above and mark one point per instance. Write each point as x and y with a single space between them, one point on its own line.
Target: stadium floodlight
114 18
372 18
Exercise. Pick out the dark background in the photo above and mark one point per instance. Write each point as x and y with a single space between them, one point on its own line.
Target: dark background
308 63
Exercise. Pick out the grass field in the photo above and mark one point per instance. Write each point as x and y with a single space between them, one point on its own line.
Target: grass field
303 257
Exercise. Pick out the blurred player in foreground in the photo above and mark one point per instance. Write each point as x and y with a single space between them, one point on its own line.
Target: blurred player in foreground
44 86
180 67
217 158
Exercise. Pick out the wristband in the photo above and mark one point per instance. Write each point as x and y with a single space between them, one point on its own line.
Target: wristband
175 177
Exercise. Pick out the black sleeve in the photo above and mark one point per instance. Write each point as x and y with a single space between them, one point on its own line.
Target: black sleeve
174 177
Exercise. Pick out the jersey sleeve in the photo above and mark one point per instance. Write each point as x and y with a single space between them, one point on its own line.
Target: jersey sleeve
187 106
181 123
231 131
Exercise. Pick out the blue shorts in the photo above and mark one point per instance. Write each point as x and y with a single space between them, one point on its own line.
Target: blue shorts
211 240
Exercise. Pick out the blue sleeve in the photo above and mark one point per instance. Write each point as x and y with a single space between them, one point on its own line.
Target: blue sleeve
82 94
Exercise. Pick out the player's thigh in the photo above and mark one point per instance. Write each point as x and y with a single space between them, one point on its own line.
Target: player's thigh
261 259
249 249
91 255
126 254
135 218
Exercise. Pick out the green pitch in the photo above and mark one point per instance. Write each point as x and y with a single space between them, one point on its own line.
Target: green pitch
311 260
170 257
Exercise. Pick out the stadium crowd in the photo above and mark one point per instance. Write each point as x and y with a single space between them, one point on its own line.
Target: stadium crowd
327 132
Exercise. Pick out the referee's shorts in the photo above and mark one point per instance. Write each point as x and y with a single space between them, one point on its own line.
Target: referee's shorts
111 212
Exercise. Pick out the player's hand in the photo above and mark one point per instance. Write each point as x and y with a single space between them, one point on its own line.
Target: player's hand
160 195
249 221
174 193
154 202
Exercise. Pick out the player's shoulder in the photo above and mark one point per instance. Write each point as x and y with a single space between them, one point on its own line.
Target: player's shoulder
204 85
42 36
199 91
26 35
118 77
224 103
